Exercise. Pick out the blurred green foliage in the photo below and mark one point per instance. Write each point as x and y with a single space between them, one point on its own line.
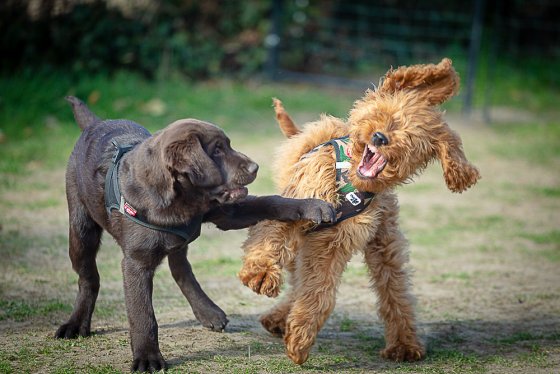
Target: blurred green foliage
37 129
198 39
212 38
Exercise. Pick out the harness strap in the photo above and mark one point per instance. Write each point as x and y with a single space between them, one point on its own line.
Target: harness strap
352 201
114 200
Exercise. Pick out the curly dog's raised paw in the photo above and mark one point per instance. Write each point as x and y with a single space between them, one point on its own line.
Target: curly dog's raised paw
402 352
263 280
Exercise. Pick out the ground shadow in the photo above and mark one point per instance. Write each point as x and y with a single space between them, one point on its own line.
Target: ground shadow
445 341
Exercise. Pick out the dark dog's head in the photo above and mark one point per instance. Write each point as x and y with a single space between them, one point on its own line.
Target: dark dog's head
399 129
198 154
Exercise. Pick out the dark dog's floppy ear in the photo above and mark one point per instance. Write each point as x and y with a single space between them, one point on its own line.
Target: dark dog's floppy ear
458 172
433 83
187 156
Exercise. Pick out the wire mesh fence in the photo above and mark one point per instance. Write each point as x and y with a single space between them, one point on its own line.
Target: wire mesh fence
352 42
345 42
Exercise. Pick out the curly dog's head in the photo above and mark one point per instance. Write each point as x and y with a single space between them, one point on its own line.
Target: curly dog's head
398 130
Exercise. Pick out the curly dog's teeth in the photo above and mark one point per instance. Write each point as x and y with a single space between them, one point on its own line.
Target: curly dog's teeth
372 162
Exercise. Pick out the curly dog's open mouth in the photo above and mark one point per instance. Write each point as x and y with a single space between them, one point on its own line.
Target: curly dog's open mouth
372 162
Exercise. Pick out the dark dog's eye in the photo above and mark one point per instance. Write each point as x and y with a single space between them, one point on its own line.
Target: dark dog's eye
218 150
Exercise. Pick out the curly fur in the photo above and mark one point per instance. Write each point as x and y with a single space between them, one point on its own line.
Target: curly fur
404 108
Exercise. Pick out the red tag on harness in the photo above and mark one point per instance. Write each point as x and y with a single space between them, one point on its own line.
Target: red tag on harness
129 210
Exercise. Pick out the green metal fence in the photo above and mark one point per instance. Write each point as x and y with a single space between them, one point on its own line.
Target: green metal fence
351 42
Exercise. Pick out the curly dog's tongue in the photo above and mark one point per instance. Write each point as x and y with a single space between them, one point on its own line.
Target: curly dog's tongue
372 162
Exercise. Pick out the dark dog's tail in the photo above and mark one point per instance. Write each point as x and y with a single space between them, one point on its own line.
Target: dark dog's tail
287 125
84 117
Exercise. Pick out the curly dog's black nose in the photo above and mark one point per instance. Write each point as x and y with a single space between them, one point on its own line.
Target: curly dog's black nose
378 139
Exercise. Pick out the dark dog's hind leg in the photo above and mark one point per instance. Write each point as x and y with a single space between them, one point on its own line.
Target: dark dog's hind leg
84 240
204 309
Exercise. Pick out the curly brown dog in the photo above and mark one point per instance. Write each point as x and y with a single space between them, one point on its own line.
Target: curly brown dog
393 133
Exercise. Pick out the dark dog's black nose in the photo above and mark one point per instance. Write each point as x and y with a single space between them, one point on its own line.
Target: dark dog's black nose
379 139
252 167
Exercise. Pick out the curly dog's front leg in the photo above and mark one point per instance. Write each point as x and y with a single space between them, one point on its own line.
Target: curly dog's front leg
268 248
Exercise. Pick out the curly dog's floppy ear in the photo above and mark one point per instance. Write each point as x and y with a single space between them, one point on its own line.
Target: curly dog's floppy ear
433 83
458 172
187 156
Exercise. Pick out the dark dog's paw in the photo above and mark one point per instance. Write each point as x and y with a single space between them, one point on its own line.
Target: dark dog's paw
262 280
403 352
318 211
149 363
72 330
211 317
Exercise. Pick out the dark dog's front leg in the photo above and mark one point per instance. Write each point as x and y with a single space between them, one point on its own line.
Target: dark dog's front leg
204 309
138 286
252 210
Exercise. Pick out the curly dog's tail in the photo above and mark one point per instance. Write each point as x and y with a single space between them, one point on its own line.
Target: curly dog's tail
287 125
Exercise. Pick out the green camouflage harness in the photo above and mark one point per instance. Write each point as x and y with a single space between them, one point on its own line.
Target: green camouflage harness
352 201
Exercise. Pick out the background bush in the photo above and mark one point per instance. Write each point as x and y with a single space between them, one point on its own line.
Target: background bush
203 39
198 39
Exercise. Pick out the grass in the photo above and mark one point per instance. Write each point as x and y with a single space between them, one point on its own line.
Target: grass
461 276
221 265
533 143
347 324
444 356
526 336
32 110
443 230
23 310
477 255
548 244
551 237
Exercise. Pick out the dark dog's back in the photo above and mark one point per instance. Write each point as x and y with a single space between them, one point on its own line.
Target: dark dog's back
92 156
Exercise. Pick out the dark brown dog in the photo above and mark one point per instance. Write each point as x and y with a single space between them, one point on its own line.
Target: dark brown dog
170 182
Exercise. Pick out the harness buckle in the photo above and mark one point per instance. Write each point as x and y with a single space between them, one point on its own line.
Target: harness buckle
120 150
